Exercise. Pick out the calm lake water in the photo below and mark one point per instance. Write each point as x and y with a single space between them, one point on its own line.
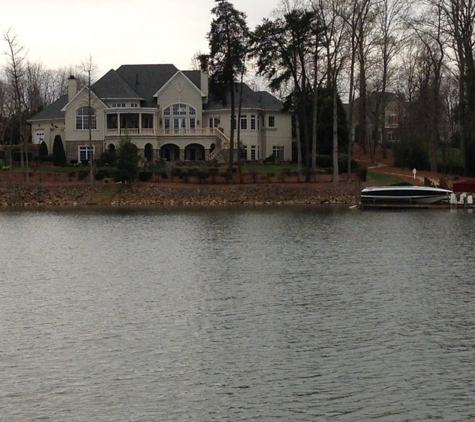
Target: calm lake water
237 314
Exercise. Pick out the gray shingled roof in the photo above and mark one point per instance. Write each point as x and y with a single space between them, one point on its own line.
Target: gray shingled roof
53 111
147 79
142 82
261 100
113 86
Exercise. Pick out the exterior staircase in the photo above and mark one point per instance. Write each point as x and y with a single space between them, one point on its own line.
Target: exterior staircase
223 143
105 194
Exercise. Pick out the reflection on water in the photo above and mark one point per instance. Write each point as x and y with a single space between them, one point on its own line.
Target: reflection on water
199 314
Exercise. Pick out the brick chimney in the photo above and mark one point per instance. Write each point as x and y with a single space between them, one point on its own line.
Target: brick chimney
72 87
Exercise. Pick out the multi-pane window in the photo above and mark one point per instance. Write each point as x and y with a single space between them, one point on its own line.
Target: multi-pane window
393 119
213 122
254 152
134 105
243 122
271 121
84 115
40 136
244 152
182 117
118 105
278 152
85 152
253 122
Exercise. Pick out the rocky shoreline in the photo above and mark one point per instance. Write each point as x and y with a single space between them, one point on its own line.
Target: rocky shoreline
146 194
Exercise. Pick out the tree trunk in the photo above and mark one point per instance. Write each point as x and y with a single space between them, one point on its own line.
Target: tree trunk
335 137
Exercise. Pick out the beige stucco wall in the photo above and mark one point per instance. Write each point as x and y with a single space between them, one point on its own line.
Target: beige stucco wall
265 138
180 90
72 134
49 128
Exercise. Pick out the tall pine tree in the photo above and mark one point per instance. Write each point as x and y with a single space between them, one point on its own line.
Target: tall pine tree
228 44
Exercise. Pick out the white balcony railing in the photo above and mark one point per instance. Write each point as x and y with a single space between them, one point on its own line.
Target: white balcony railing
166 132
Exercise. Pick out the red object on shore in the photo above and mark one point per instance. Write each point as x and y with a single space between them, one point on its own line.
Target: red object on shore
465 186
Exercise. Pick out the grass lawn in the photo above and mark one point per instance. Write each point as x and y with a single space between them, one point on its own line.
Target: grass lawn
383 179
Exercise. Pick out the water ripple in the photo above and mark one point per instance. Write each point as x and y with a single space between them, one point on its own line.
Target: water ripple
292 314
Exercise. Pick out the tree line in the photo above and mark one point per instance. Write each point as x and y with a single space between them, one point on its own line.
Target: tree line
417 55
314 54
26 88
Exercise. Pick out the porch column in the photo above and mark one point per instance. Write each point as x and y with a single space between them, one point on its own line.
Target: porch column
182 155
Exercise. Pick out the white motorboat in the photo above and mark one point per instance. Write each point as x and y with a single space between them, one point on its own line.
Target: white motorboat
404 193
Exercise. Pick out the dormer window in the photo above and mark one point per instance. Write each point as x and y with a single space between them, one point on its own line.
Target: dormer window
118 105
134 105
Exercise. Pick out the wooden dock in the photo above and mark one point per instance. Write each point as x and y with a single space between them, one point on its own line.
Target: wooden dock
417 206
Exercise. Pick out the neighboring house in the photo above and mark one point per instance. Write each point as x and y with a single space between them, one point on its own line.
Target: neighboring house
391 116
167 113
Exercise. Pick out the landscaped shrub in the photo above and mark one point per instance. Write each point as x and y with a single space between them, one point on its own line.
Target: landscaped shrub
144 176
16 155
82 174
343 163
59 154
193 171
45 159
361 172
203 174
271 159
107 158
178 172
43 150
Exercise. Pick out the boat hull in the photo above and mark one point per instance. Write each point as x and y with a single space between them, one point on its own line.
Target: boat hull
404 195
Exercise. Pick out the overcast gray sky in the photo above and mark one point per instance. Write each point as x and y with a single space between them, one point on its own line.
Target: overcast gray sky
61 33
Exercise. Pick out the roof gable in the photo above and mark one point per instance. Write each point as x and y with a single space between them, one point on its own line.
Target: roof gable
147 79
79 94
176 75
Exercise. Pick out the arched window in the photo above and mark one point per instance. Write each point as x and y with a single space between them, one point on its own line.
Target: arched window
84 116
179 116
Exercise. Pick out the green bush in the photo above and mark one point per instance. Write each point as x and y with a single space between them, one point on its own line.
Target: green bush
361 172
144 176
16 155
107 158
178 172
204 174
271 159
59 154
82 174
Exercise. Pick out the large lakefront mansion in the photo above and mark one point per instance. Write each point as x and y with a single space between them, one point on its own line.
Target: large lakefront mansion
167 113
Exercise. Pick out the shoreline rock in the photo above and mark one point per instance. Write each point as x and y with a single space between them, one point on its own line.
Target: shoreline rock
149 194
